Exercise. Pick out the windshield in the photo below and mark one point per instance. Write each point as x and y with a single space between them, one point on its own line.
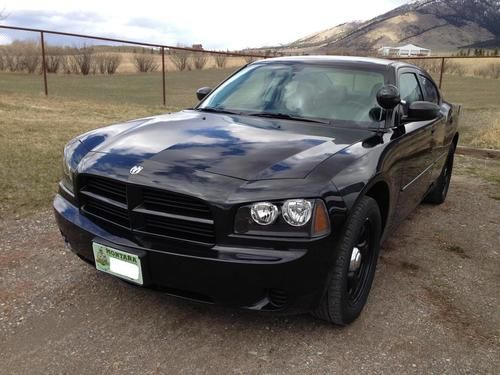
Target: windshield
300 90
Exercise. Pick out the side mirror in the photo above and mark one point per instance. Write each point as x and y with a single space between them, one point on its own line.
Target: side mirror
388 97
423 111
202 92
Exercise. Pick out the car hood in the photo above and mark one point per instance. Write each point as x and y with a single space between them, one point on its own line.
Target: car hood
242 147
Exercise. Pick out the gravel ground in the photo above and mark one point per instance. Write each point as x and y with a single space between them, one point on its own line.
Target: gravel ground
433 308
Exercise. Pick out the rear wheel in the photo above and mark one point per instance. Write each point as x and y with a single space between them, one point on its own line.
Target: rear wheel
439 191
350 278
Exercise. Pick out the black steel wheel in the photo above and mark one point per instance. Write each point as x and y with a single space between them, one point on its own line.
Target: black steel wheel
355 259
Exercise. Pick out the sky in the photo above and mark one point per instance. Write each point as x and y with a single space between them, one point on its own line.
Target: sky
217 24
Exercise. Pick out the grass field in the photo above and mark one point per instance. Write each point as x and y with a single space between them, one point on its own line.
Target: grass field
34 128
134 88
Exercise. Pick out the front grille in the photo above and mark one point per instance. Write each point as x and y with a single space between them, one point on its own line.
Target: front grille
107 212
178 228
173 203
111 189
146 211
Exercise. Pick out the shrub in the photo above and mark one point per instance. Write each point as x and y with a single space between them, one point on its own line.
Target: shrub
21 56
107 63
52 63
145 63
67 65
83 60
11 61
488 71
454 68
180 58
249 59
200 60
220 61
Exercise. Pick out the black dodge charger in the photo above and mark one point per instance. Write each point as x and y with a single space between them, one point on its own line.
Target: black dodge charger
274 193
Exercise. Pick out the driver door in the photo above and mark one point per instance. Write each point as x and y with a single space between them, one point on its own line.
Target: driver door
416 146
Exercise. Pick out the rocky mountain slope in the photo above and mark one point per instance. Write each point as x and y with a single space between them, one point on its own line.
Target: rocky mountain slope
442 25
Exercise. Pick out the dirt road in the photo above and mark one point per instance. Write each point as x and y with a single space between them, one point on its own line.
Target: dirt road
433 308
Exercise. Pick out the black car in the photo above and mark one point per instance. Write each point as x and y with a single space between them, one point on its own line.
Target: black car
273 193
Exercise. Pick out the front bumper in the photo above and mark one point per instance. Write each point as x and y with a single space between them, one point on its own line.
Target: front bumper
290 280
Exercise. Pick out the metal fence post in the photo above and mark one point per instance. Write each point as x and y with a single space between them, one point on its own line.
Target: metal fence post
44 64
441 72
163 74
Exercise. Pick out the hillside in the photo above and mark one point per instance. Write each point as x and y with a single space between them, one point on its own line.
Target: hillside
441 25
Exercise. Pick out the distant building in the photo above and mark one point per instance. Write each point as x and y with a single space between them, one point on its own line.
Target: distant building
197 46
409 50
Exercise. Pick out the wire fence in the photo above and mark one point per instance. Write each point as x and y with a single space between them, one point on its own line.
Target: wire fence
94 69
60 58
115 67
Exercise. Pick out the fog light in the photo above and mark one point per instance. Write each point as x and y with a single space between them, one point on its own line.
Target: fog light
264 213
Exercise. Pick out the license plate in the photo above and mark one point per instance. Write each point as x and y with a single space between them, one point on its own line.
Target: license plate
118 263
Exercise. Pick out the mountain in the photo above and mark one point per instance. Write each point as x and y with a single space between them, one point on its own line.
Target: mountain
441 25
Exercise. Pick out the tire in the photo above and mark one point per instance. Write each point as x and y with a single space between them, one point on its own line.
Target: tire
344 298
439 191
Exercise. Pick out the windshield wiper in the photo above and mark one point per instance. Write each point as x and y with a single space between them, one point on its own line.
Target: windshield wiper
218 110
285 116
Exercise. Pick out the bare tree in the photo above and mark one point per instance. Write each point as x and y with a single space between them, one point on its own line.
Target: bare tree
180 58
83 60
200 59
220 61
145 63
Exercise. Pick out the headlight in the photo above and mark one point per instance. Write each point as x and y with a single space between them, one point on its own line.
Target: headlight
290 218
297 212
264 213
71 156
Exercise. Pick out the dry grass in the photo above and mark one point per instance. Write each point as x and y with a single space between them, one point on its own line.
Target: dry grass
480 128
34 131
480 120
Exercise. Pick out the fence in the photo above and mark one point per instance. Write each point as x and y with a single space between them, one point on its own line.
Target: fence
60 65
144 65
436 65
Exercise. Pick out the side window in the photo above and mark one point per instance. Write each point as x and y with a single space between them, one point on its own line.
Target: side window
430 90
409 88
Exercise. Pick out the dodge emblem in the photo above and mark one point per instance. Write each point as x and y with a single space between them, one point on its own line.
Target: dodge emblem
135 169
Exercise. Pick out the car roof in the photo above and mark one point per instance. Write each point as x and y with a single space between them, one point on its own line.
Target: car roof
344 60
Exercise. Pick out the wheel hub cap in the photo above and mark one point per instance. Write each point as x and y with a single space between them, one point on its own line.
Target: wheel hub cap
355 262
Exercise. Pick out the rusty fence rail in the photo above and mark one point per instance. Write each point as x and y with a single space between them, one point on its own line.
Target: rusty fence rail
162 47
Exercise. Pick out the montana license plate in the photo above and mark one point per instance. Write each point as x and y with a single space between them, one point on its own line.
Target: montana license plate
118 263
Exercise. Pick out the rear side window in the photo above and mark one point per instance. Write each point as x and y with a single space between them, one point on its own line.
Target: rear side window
430 90
409 88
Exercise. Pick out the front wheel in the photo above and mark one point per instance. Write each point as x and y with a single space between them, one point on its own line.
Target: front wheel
356 253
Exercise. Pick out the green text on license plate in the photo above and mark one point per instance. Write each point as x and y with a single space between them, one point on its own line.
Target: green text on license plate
118 263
